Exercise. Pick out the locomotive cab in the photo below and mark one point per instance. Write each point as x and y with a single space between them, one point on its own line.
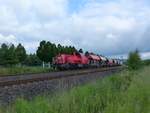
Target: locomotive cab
67 61
83 60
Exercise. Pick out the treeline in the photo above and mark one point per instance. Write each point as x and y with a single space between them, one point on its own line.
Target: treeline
10 55
16 55
146 62
135 62
47 50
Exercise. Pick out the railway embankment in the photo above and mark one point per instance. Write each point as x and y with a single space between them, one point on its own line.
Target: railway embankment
126 92
13 87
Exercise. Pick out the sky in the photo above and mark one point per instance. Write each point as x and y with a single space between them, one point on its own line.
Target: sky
108 27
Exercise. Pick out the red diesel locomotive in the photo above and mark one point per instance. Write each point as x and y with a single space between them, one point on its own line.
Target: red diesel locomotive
79 60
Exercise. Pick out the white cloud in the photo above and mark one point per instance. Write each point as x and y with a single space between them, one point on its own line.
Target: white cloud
112 27
53 8
145 55
8 39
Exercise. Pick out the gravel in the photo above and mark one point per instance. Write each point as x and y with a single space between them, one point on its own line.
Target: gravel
9 94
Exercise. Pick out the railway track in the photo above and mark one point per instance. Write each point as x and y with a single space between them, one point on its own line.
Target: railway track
24 79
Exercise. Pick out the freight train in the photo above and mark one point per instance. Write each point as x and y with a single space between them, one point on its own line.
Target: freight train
79 60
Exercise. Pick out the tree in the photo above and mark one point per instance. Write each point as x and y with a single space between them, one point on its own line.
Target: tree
21 53
54 50
65 49
3 51
73 49
80 51
46 51
32 60
59 49
134 61
10 56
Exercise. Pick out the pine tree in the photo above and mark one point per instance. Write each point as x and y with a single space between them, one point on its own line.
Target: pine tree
11 56
21 53
3 51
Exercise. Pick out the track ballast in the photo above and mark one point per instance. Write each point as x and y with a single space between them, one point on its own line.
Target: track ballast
24 79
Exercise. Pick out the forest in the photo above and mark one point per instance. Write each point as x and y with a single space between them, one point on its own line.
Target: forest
11 55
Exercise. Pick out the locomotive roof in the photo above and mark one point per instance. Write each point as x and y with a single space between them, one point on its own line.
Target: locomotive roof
95 57
103 58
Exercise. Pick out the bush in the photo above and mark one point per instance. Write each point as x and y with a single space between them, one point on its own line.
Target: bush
134 61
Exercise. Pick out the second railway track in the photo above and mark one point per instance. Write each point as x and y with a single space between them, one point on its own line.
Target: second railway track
24 79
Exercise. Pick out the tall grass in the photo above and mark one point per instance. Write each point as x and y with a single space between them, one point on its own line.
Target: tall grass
126 92
22 70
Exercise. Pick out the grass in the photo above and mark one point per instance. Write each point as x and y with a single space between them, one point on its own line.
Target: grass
127 92
22 70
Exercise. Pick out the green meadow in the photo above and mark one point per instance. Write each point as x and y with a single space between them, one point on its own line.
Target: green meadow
4 71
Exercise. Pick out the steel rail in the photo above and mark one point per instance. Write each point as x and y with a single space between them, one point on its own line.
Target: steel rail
24 79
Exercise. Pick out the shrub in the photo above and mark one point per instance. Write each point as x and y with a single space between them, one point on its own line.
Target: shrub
134 61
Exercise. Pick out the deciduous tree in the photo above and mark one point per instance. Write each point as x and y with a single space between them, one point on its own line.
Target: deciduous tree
134 61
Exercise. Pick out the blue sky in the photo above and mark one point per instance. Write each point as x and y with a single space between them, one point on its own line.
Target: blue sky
76 5
109 27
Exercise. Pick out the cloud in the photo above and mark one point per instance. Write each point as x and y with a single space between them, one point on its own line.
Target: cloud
145 55
8 39
105 27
